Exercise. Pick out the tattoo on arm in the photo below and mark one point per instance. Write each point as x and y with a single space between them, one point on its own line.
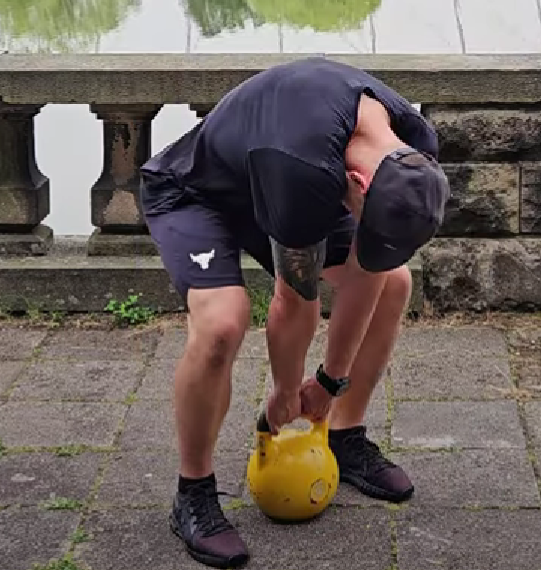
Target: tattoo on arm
300 268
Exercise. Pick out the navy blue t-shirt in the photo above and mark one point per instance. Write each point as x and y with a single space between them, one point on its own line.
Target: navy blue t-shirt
274 147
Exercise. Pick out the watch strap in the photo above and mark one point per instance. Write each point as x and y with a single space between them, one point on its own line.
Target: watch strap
332 385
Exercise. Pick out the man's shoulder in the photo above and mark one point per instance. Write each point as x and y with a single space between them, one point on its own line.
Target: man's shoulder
417 132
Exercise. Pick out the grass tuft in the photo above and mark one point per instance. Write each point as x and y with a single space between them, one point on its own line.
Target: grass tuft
62 504
259 302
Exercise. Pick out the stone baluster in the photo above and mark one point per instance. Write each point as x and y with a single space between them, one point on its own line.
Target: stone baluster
115 204
492 156
24 190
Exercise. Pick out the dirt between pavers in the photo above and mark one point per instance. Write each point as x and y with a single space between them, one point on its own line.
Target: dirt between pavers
525 326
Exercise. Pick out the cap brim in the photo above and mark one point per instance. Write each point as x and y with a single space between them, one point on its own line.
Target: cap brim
376 255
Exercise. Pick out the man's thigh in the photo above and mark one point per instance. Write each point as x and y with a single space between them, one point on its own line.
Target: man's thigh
197 248
339 242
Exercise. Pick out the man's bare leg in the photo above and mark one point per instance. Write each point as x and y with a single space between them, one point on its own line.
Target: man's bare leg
370 315
217 322
375 351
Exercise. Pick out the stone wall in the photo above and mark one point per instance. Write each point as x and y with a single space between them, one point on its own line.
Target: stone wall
488 252
486 110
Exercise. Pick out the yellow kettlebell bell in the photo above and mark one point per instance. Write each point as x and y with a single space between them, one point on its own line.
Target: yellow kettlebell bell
292 476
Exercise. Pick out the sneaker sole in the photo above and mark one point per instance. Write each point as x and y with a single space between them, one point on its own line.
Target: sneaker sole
208 559
375 492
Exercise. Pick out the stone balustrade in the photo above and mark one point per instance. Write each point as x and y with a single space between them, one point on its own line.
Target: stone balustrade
486 110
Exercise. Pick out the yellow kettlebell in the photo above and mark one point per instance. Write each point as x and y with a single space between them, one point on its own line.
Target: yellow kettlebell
292 476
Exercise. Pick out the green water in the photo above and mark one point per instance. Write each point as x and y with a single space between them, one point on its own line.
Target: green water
69 138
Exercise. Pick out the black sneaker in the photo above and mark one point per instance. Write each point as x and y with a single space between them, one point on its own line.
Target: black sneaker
197 518
362 465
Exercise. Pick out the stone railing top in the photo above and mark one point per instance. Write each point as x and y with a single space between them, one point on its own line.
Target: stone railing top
204 79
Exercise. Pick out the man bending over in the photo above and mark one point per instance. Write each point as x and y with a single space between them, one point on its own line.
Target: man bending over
318 171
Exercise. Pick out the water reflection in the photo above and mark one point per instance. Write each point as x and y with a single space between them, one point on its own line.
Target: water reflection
59 25
78 25
215 16
320 15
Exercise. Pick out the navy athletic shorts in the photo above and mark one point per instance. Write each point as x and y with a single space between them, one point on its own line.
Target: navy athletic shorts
200 246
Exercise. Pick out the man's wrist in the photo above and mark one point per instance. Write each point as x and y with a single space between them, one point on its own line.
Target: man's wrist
286 389
334 386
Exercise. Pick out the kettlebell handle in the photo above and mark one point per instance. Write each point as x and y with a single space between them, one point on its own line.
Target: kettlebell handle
263 426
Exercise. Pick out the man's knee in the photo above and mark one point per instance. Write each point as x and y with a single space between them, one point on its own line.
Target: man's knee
218 322
399 283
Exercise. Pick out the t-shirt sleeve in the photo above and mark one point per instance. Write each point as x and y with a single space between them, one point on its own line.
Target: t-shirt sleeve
295 202
420 135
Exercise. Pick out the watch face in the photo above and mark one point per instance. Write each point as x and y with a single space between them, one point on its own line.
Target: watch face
342 388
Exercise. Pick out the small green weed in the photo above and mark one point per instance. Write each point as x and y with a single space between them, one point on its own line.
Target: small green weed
69 450
62 504
129 312
235 504
80 535
65 563
3 448
131 398
260 301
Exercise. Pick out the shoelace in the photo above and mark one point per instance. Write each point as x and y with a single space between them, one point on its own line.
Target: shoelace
359 446
205 507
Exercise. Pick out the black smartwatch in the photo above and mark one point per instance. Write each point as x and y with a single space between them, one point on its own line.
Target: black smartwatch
335 387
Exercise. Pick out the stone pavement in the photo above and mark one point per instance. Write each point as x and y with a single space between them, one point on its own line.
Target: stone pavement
88 463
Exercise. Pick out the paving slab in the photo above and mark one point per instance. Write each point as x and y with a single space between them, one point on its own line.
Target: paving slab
149 424
140 478
421 340
31 536
529 375
532 412
54 424
8 373
323 543
341 537
19 344
457 424
254 344
349 496
86 380
526 337
473 478
464 540
171 343
115 344
444 376
159 380
132 539
29 478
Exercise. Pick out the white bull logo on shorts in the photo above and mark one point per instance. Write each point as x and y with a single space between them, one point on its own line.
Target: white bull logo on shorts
203 259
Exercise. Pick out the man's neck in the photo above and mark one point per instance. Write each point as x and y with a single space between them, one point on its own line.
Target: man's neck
366 153
373 138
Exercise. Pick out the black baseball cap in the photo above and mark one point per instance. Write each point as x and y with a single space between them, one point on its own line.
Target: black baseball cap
403 209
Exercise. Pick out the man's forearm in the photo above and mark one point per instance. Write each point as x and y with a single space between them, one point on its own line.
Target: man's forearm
353 307
290 328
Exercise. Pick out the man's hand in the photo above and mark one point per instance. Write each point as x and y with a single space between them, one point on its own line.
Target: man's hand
282 408
315 401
